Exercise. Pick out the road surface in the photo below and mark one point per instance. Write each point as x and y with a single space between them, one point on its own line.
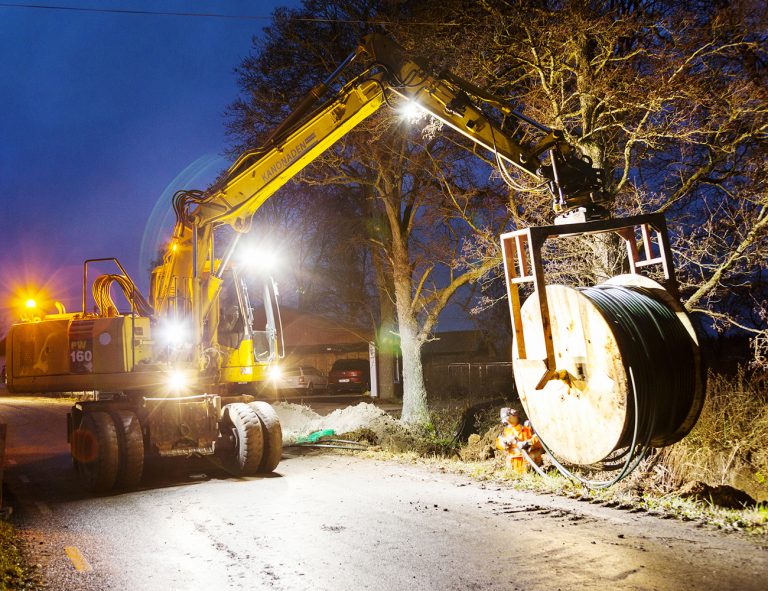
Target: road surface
333 522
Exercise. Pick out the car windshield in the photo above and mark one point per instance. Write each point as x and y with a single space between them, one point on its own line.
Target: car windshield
347 364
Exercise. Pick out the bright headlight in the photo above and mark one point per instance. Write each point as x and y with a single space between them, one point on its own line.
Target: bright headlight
274 372
174 333
258 259
411 111
177 381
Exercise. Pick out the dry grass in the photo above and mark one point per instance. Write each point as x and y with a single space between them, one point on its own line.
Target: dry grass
14 573
729 444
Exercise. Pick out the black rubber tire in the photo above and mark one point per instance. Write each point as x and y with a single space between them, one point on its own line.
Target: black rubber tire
130 448
95 451
242 427
273 436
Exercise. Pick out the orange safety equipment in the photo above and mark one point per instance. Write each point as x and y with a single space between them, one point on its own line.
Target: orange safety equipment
515 438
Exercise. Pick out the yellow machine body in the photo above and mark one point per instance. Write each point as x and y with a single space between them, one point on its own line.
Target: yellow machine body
66 354
239 367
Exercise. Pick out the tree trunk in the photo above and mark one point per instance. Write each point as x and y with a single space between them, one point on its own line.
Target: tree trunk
609 256
415 411
385 369
386 345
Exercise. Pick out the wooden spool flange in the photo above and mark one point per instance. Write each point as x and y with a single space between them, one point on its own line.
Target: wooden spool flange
582 416
585 412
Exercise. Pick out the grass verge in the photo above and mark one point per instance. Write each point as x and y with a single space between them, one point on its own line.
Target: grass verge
727 446
753 522
15 575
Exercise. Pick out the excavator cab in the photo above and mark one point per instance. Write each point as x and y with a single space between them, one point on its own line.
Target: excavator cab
249 332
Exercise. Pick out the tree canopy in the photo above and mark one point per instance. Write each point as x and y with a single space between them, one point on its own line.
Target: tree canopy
668 96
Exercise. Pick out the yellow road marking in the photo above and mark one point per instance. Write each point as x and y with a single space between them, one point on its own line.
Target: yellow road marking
78 560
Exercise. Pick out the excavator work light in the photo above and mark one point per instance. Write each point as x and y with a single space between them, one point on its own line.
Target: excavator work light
411 111
174 334
177 381
275 373
30 304
259 259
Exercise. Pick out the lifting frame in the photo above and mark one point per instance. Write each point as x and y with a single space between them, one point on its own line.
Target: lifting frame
521 251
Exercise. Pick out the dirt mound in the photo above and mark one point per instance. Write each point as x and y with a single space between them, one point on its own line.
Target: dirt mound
294 419
297 421
723 495
480 448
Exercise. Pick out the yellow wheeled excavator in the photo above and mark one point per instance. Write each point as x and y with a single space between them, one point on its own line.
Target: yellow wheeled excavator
168 373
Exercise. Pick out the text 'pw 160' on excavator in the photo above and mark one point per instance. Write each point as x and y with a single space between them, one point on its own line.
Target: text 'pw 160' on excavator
168 373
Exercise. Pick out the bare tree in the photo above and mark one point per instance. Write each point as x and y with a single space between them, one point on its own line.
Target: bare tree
669 96
418 193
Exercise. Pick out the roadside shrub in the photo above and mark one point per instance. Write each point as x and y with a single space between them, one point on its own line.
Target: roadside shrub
437 437
443 422
729 444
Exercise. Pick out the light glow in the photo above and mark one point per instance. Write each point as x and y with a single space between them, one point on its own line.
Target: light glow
411 111
259 259
274 372
174 333
177 381
31 304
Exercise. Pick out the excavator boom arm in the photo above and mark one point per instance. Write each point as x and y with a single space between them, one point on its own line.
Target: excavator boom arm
190 272
306 134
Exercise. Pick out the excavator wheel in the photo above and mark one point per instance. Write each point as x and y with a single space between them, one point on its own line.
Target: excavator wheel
240 443
130 447
95 451
273 436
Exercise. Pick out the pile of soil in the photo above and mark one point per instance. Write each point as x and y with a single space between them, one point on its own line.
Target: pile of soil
723 495
298 420
480 448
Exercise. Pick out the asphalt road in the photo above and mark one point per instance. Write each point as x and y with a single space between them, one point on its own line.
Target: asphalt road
327 521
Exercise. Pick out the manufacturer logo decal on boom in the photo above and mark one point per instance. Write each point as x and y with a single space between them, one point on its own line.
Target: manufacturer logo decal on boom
290 157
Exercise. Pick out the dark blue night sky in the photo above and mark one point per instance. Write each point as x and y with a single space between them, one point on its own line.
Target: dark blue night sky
99 113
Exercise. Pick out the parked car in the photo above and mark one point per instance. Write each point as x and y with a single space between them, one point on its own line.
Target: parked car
304 378
352 375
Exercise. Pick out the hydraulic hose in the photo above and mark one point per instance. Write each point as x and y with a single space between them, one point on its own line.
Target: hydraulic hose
103 297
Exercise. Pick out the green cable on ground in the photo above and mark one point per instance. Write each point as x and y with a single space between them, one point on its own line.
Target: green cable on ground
316 436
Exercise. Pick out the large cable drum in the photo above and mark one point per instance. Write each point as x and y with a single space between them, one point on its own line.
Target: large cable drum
628 373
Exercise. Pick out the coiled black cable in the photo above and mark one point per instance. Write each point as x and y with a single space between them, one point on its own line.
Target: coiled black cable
659 360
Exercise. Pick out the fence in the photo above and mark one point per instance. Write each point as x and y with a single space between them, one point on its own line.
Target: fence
760 350
472 382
